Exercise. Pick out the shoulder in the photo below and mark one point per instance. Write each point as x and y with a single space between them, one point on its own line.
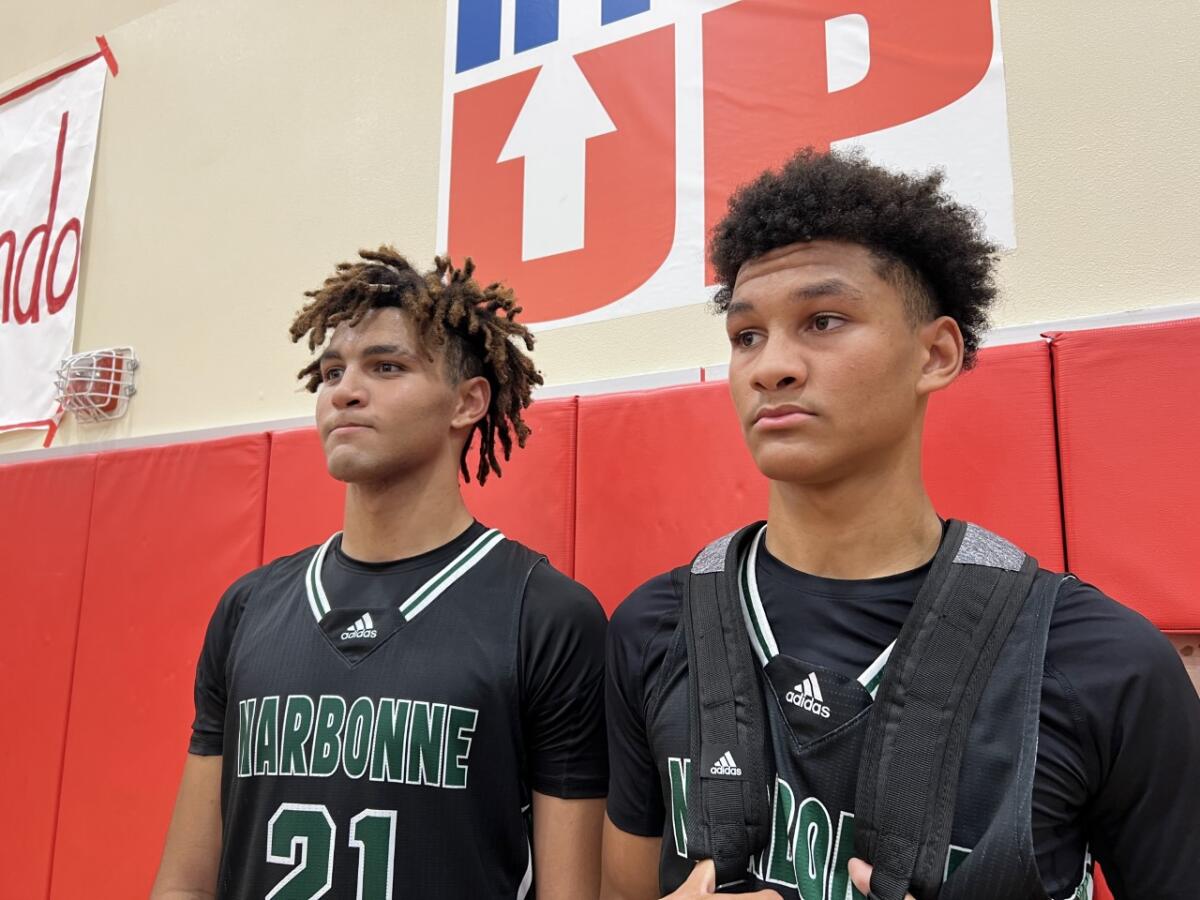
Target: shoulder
281 570
554 598
648 615
647 605
262 581
1093 635
1122 679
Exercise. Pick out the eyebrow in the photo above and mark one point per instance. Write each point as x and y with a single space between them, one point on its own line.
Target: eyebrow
829 287
373 350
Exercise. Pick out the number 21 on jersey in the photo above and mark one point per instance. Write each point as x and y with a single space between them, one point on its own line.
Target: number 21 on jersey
303 835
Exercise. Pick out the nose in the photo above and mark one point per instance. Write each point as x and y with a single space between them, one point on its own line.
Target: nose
349 391
779 364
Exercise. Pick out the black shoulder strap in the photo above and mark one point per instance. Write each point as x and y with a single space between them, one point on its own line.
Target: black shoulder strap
908 776
728 803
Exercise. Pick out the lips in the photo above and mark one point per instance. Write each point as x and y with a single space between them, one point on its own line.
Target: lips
348 428
787 415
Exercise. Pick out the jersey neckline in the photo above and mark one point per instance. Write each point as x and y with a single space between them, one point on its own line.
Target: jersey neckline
762 637
420 599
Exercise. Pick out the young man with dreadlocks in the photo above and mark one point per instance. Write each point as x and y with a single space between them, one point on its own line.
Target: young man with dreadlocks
976 727
382 716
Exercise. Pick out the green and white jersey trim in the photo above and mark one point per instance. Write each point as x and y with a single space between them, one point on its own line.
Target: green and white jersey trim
317 600
423 596
762 638
873 674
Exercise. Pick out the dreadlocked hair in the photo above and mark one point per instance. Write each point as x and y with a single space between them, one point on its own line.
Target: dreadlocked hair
476 326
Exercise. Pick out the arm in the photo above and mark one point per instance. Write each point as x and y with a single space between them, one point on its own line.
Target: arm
188 870
629 865
1145 823
566 841
562 700
192 854
1125 739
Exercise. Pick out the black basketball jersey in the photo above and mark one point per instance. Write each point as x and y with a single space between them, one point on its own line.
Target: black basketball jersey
817 720
375 754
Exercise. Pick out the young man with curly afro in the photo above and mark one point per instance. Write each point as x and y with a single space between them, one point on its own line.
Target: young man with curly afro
850 295
413 708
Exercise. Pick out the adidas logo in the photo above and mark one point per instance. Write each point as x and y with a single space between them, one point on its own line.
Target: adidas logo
362 628
807 696
725 766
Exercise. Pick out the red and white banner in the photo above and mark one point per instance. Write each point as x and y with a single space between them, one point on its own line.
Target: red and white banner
48 134
589 146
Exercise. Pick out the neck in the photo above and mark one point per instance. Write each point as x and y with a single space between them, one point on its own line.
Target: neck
403 517
868 526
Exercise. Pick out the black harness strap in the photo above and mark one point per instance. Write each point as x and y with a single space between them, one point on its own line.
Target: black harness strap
908 778
728 802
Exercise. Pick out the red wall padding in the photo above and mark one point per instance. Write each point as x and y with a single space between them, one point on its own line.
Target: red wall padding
662 472
304 504
43 540
171 528
1129 434
990 454
533 502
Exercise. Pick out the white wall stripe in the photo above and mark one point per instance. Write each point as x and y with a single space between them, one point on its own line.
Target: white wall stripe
1010 334
644 382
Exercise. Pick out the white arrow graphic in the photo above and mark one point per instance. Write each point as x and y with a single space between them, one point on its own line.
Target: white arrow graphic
552 130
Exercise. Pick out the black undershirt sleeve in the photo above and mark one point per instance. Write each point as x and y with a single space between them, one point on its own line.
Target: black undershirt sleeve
637 635
562 686
210 692
1139 744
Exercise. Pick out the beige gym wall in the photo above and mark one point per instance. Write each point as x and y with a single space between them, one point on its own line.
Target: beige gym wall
248 145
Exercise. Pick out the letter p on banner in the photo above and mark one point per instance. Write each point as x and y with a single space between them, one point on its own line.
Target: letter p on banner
48 131
917 84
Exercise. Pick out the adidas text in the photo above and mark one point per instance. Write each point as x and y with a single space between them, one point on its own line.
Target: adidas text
725 766
363 627
807 696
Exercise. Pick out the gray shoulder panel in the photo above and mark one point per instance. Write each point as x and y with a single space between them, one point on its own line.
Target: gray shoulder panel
712 558
982 548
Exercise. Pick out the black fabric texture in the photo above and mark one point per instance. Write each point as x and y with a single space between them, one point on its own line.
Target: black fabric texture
1118 725
728 817
506 666
918 730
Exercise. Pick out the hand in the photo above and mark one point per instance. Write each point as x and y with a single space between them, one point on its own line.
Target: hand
703 883
860 874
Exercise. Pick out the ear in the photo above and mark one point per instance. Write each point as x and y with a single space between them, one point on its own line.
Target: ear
942 354
474 395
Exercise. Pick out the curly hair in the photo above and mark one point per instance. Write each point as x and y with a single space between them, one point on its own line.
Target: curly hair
474 325
930 247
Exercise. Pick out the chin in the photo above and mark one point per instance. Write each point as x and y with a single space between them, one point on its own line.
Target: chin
793 465
344 470
351 468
